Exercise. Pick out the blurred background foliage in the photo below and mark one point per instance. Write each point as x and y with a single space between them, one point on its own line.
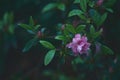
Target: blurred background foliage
16 65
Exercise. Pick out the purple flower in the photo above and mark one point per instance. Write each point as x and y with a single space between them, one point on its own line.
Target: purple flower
79 44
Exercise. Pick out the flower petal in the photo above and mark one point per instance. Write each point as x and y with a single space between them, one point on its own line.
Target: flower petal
77 36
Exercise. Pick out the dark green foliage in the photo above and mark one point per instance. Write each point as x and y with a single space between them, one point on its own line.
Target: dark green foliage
48 57
47 44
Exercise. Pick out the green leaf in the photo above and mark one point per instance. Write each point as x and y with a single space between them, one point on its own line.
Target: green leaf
61 6
11 29
60 37
97 34
106 50
10 18
95 16
31 32
92 30
25 26
102 19
49 56
110 3
83 17
83 5
49 7
36 27
93 33
29 44
31 21
91 4
78 60
109 10
70 28
80 28
47 44
66 32
5 18
75 12
76 1
47 73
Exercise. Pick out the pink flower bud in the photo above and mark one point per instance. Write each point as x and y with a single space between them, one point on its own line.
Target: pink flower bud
63 27
110 69
39 34
99 2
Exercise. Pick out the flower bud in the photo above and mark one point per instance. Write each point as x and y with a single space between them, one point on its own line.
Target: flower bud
99 2
39 34
63 27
